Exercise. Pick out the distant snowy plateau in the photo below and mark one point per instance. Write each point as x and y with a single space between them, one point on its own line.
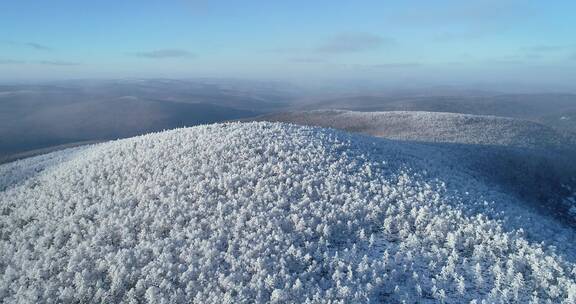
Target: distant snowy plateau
273 212
434 127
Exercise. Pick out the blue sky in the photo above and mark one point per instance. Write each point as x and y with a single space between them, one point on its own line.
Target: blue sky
422 41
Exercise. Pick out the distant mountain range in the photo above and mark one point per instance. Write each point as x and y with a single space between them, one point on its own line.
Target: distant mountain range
434 127
556 110
38 116
45 115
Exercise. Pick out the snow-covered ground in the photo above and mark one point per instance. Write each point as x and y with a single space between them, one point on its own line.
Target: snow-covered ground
433 127
524 158
269 212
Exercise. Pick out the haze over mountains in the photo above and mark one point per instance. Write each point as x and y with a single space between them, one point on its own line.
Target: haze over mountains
36 116
44 115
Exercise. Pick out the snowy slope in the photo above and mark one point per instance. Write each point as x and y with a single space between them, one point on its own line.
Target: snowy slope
523 158
268 212
433 127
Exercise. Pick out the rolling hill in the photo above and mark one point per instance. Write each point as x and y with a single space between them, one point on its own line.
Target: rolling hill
433 127
552 109
270 212
531 161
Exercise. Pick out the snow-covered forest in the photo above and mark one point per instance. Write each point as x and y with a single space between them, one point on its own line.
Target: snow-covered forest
270 212
438 127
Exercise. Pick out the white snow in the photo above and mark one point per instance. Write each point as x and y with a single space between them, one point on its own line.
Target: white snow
433 127
268 212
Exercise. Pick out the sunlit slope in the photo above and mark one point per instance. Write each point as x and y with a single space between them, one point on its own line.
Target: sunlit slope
524 158
269 212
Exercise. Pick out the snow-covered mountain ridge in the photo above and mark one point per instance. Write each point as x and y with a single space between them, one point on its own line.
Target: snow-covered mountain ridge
269 212
433 127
